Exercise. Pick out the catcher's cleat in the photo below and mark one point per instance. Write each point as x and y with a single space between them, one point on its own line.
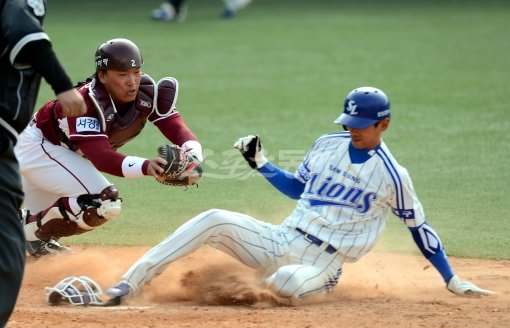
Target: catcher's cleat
54 247
121 290
38 248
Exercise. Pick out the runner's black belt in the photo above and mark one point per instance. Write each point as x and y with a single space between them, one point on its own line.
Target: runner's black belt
314 240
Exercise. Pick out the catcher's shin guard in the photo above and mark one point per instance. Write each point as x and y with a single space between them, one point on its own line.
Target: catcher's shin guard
69 216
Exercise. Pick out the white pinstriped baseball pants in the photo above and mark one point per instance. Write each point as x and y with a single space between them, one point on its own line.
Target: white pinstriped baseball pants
292 266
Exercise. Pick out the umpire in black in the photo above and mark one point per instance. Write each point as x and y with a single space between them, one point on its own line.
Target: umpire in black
25 55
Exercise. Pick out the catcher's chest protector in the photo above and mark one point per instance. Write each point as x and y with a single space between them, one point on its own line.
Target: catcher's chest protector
122 127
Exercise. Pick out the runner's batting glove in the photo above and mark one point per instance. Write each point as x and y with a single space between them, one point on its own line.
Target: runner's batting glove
251 148
465 288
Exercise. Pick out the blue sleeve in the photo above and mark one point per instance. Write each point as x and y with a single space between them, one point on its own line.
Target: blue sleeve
431 247
282 180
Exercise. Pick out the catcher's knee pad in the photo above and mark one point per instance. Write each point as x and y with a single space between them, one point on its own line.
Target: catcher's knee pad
97 210
73 216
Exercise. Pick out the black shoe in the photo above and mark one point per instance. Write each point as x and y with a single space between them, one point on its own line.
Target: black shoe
38 248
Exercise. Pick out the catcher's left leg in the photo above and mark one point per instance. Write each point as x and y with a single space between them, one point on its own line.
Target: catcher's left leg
68 217
64 192
73 216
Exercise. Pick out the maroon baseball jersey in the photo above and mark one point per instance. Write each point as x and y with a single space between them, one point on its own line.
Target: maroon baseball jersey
105 126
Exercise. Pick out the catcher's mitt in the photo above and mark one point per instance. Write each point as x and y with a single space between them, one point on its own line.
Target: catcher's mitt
183 168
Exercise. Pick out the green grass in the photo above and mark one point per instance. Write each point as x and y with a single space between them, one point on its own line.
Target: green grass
282 69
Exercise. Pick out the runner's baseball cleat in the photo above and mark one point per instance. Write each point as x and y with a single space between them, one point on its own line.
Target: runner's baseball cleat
122 289
117 293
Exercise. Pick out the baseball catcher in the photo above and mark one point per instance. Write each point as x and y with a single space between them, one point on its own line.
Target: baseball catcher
61 158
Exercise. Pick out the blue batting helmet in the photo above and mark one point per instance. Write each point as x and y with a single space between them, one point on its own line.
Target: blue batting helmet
363 107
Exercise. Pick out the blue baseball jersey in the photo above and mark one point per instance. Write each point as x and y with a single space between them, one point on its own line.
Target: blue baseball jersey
349 194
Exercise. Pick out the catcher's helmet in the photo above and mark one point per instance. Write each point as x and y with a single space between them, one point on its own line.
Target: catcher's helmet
76 290
363 107
119 55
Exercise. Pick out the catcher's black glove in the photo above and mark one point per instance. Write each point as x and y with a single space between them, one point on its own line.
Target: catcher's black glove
183 168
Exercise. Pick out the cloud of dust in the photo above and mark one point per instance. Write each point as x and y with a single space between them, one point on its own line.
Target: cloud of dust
212 278
104 265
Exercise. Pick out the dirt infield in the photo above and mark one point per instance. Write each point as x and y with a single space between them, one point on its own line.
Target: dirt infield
208 289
